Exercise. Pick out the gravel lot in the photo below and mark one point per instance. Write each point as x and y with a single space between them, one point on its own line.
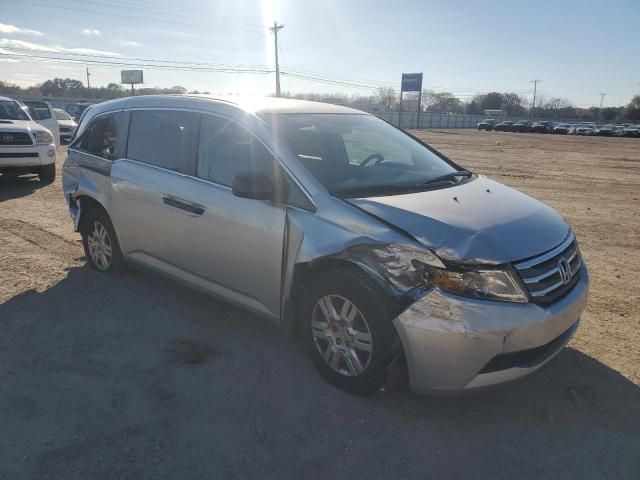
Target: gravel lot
137 377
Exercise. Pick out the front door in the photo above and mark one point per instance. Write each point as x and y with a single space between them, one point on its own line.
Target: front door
191 228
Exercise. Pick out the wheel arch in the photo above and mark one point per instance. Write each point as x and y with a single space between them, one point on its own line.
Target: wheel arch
87 203
305 272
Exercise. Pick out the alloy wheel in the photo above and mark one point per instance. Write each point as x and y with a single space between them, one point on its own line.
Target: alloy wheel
99 245
341 335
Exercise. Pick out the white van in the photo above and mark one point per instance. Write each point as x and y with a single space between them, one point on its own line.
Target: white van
42 113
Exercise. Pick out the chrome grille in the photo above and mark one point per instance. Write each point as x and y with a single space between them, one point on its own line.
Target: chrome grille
15 138
550 276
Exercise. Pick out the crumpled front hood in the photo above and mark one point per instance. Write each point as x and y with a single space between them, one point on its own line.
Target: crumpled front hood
480 221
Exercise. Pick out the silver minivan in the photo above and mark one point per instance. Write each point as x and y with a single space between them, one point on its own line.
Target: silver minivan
370 245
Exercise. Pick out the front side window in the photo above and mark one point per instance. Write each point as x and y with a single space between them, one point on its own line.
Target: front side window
38 110
355 154
165 138
100 137
11 110
227 149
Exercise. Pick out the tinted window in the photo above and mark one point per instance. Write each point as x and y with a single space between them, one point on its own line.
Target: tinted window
227 149
165 138
10 110
100 137
38 110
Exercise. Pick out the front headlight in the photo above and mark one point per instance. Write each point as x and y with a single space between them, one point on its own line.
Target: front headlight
484 283
43 137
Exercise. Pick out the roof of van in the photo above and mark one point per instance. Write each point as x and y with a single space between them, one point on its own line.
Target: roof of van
248 103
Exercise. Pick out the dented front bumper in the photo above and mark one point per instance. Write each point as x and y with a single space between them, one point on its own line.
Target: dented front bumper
453 343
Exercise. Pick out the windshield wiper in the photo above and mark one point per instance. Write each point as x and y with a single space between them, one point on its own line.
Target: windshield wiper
449 176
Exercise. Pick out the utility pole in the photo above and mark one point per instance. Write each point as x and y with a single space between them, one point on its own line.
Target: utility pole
275 30
535 87
88 75
602 95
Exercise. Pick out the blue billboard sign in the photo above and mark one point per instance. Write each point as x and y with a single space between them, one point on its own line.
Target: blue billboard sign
411 82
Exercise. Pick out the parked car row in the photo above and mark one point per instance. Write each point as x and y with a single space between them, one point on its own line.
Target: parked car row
545 126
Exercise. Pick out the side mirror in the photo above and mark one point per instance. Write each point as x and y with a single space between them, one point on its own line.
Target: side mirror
255 185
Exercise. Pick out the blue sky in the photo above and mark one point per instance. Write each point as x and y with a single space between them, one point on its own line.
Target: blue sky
577 48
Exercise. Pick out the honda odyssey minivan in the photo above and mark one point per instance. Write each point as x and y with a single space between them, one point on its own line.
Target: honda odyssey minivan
369 244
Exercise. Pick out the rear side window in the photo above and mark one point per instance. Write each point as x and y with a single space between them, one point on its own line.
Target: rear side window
165 138
38 110
100 137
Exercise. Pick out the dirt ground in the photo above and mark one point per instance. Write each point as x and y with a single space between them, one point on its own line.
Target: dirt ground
138 377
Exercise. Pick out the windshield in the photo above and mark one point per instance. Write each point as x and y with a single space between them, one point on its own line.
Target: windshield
61 114
12 110
358 154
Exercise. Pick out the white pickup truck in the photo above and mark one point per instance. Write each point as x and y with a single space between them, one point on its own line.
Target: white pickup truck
25 146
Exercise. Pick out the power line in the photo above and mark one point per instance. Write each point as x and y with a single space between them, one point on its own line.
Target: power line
174 9
121 15
155 60
171 12
113 63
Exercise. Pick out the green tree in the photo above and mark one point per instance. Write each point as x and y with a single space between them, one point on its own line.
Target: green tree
631 112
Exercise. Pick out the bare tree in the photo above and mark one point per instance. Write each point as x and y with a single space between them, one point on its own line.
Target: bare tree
386 98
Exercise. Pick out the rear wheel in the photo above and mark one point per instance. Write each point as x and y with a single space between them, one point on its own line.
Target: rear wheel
348 331
100 243
47 173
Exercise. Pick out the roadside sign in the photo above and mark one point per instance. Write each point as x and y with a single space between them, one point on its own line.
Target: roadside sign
411 82
131 76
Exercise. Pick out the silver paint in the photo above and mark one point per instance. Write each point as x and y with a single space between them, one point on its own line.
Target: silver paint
251 259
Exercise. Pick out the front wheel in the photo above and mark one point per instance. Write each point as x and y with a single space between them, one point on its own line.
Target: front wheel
348 331
100 243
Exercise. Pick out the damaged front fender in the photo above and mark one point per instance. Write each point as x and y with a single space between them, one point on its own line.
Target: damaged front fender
384 254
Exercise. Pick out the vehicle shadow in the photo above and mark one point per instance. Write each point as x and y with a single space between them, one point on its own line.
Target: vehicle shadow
135 376
18 186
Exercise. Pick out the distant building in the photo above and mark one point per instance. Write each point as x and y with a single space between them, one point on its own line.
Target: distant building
495 113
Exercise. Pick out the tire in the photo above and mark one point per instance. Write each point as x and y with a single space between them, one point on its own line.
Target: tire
98 239
47 173
338 340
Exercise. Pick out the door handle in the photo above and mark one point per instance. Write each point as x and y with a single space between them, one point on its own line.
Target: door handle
192 208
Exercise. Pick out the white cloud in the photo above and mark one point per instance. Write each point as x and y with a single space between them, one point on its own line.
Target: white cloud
36 47
9 42
127 43
6 28
91 31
